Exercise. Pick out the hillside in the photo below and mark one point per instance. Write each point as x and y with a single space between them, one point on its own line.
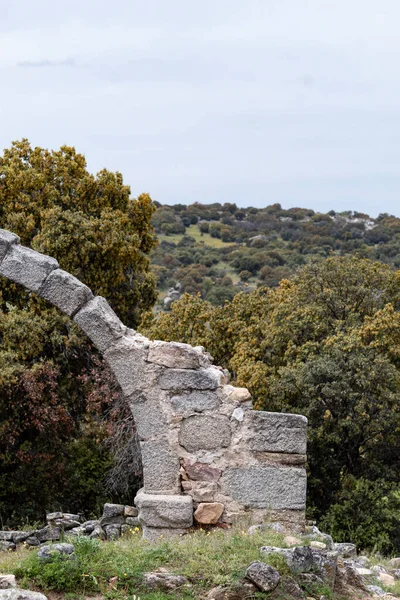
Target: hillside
219 250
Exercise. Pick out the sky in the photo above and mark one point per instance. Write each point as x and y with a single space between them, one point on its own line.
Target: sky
246 101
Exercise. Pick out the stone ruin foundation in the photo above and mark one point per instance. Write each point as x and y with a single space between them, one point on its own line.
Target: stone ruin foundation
207 456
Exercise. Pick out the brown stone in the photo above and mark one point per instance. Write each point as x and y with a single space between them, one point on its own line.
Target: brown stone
240 591
201 471
208 513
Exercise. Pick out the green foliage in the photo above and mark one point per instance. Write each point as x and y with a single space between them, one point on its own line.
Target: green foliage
54 390
327 345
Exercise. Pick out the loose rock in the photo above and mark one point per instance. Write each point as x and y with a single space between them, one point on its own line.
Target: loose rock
164 581
264 576
208 513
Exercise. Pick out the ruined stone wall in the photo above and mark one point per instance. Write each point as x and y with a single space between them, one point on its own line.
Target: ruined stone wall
207 456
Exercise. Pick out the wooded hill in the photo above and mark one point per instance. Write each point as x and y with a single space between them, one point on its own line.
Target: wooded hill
220 249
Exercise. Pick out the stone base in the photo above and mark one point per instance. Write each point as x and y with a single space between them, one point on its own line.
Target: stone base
174 511
157 534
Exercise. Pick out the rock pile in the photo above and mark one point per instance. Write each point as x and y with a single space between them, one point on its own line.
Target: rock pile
116 520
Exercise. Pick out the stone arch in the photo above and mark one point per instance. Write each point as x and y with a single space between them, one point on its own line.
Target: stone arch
205 452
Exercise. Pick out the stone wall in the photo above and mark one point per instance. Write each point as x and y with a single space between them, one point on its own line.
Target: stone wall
207 456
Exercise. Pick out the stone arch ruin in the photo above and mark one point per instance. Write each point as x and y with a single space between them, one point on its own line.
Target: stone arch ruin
207 456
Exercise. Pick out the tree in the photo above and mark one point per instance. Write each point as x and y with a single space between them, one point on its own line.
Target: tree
54 389
325 344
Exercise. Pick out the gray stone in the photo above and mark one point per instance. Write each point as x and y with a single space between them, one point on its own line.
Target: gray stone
185 379
7 581
97 533
264 576
18 594
278 432
32 541
240 590
65 291
346 550
155 534
200 432
48 534
21 536
149 419
395 573
287 553
7 239
160 467
376 590
164 581
7 536
6 546
111 521
267 487
176 355
113 510
100 323
49 552
132 521
127 359
195 401
164 511
72 517
66 524
112 532
88 526
54 515
27 267
288 588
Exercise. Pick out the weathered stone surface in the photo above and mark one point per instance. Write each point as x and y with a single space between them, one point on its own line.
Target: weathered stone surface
54 515
130 511
132 521
7 239
164 511
48 553
200 491
18 594
176 355
318 545
195 401
201 432
98 533
27 267
112 532
346 550
267 487
32 541
111 521
7 536
208 513
236 394
21 536
287 553
386 579
65 291
201 471
48 534
239 591
88 526
278 432
155 534
7 581
393 562
127 359
164 581
151 423
160 467
288 589
113 510
186 379
100 323
264 576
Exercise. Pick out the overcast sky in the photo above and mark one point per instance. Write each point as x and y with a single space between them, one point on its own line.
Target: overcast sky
246 101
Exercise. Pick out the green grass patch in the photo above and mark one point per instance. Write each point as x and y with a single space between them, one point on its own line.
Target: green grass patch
195 233
115 569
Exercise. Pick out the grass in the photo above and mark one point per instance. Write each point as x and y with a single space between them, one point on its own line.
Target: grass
195 233
115 569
